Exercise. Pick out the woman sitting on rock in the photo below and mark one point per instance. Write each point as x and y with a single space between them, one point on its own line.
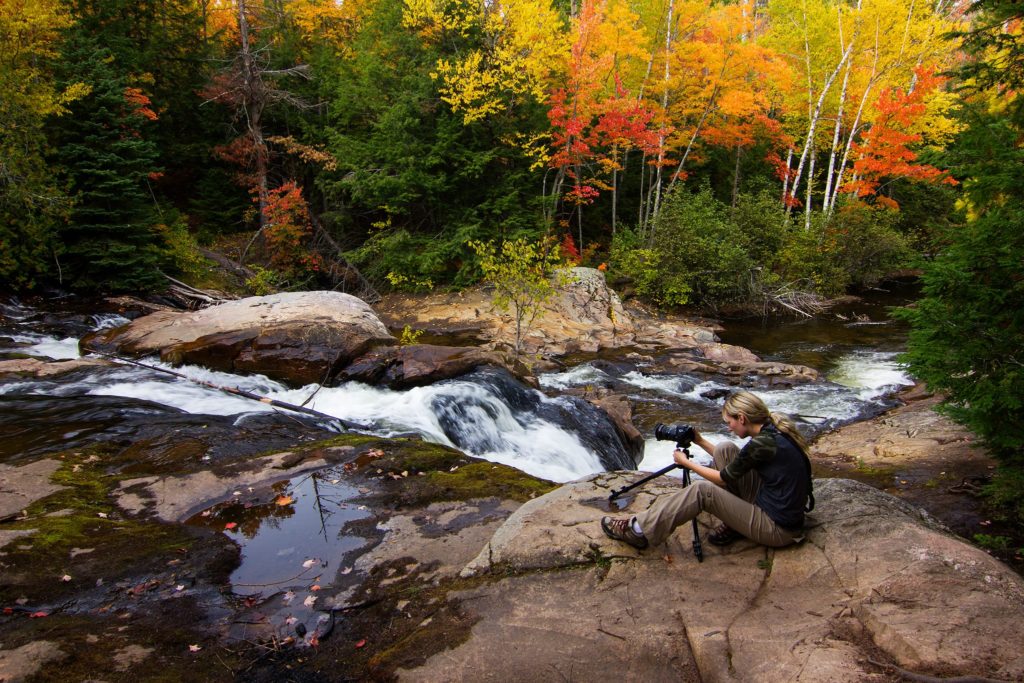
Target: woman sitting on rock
759 491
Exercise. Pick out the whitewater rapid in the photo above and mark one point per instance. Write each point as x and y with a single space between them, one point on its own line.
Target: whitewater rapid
488 427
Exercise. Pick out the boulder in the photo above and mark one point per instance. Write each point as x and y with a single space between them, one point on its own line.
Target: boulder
875 580
38 368
584 315
402 367
296 337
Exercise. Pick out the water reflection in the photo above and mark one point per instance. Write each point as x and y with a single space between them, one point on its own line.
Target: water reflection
296 551
295 521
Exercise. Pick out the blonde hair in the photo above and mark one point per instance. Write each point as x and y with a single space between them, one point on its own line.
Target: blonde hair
754 409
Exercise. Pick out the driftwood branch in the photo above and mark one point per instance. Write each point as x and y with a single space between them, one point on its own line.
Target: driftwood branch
233 267
192 297
796 300
348 278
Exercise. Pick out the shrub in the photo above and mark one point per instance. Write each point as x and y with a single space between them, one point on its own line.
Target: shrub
696 254
856 247
180 248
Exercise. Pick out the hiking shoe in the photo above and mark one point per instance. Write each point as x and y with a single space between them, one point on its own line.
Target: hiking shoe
622 530
723 535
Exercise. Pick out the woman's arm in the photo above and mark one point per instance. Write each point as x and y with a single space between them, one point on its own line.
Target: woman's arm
706 445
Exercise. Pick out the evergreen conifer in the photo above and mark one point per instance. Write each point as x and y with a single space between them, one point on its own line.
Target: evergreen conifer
110 242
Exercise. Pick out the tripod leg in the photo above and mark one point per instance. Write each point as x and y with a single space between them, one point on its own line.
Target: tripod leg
697 549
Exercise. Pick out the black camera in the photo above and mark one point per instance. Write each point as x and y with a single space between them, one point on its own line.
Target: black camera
680 433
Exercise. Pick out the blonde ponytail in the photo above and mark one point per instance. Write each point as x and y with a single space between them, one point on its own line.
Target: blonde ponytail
785 424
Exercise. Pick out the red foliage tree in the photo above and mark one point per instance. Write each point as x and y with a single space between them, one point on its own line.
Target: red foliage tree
884 150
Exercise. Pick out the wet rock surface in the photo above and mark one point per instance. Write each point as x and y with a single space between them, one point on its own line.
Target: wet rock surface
415 365
454 553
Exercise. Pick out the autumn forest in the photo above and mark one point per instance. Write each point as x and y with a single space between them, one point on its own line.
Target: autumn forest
395 132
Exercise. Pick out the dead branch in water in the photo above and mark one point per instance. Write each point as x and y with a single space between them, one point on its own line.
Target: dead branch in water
790 298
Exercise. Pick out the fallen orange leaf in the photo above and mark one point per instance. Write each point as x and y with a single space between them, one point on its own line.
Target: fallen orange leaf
230 525
284 500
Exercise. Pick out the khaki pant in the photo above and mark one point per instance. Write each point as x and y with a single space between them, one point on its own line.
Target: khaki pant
733 505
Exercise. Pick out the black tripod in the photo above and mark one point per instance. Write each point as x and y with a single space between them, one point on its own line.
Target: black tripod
697 549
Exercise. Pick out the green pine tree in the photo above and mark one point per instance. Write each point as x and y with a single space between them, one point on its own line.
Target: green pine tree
109 240
967 335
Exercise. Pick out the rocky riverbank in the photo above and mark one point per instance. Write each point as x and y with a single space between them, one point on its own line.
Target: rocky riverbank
102 581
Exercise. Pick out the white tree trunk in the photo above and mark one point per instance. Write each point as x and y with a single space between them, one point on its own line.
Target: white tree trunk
815 116
664 107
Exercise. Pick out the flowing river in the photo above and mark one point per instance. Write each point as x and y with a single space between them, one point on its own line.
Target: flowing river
534 431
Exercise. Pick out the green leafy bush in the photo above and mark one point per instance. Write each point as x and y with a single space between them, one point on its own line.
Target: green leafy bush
263 281
524 274
180 248
696 254
856 247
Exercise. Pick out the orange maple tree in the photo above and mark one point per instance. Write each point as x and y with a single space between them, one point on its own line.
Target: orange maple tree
286 217
884 150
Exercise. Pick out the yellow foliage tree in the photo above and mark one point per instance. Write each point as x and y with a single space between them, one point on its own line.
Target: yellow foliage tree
520 43
29 41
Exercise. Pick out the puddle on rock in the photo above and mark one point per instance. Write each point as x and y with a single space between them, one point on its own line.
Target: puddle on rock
295 556
606 505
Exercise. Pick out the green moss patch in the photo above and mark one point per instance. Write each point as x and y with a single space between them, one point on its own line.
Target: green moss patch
419 473
80 541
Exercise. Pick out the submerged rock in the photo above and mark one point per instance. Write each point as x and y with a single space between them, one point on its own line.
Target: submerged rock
470 422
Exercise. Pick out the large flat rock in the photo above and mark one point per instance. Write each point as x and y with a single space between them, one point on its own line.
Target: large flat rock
876 579
22 486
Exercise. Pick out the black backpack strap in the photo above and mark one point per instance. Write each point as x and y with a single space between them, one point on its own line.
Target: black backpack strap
810 484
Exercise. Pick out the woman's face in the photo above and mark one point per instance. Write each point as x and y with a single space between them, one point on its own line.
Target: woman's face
737 425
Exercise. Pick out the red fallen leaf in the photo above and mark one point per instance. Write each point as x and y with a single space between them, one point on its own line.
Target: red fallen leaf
361 643
38 615
230 525
8 610
313 640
